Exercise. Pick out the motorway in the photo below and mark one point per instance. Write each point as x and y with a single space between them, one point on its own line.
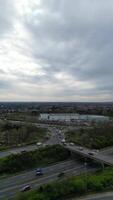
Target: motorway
101 157
102 198
17 150
97 196
56 137
12 185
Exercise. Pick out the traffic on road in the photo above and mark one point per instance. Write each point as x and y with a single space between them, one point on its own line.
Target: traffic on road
27 180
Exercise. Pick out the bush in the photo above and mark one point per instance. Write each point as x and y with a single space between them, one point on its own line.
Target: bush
96 137
95 184
27 160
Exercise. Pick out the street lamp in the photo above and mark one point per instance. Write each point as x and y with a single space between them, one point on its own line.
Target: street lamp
85 167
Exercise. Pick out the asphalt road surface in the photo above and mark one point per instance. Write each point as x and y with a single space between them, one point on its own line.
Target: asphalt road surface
56 138
12 185
103 198
17 150
100 157
97 196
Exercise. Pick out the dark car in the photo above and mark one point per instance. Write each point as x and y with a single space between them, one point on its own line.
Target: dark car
23 151
39 172
80 148
61 174
26 188
91 153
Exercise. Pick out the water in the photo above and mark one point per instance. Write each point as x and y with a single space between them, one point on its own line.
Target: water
72 116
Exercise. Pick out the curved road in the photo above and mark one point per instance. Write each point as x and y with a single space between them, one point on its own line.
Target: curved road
55 138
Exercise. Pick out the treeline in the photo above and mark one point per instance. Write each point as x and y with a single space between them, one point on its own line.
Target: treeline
96 138
26 116
26 160
72 187
14 134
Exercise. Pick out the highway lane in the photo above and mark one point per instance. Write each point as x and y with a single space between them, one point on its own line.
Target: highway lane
10 186
102 198
57 135
102 158
107 151
10 192
30 175
55 138
17 150
97 196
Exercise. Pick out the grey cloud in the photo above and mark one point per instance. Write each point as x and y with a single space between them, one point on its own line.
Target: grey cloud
5 85
7 16
75 37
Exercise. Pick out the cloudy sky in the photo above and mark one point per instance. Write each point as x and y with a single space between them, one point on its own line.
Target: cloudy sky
56 50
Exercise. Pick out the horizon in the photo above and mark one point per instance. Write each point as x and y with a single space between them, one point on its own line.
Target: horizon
56 102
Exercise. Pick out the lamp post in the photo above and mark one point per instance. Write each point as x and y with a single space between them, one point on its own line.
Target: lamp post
102 166
85 167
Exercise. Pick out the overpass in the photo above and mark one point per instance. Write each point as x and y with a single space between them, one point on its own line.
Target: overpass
102 157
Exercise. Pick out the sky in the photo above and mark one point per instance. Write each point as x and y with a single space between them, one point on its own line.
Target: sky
56 50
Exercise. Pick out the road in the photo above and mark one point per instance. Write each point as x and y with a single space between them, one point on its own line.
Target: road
97 196
56 137
100 157
102 198
12 185
17 150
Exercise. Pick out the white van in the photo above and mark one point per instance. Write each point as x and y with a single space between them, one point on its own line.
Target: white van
39 144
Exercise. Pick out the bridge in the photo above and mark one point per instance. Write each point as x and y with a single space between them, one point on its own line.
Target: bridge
104 157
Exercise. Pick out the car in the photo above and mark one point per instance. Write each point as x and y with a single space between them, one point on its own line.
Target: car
39 144
91 153
63 140
23 151
71 143
80 148
26 188
61 174
96 150
39 172
64 143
